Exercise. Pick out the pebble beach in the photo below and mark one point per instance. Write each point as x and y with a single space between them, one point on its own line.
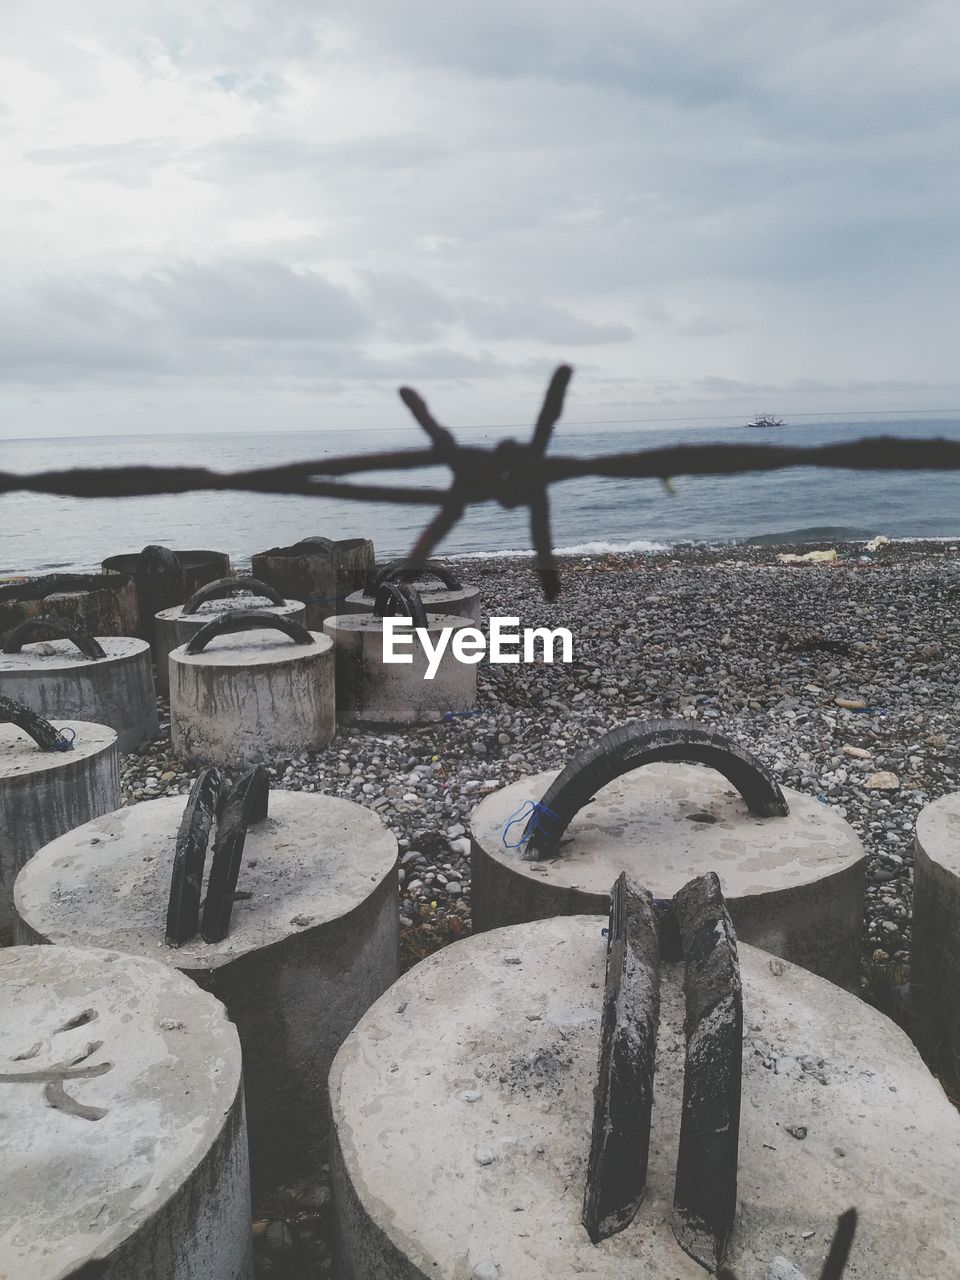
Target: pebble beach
842 677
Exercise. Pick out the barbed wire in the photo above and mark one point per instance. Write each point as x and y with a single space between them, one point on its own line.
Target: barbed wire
511 472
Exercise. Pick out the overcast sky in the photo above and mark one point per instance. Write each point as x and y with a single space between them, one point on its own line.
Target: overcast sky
268 214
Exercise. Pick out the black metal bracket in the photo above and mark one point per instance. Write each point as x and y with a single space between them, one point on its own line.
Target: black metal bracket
229 623
705 1195
233 812
52 627
398 600
41 731
223 588
630 747
246 805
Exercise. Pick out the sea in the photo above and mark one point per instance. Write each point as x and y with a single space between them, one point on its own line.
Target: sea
42 534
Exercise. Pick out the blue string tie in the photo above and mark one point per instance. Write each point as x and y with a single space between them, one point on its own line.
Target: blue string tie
529 809
63 743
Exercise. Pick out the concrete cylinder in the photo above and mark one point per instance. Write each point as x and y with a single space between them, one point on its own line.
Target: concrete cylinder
45 793
793 884
463 1107
245 698
134 1160
161 585
104 605
370 691
935 956
313 941
319 571
174 627
57 677
438 587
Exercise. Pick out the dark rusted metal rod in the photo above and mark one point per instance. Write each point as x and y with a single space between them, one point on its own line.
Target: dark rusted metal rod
705 1195
623 1097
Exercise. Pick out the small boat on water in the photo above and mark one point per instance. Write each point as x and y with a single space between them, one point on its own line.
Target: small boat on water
766 420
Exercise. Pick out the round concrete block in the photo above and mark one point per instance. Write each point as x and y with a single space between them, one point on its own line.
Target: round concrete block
463 1109
313 941
105 605
794 885
174 627
159 586
370 691
123 1140
319 571
248 697
45 793
935 957
462 602
56 679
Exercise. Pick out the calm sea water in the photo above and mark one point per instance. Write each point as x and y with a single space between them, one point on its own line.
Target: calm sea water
42 534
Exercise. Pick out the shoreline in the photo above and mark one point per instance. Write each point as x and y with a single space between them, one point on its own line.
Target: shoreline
727 636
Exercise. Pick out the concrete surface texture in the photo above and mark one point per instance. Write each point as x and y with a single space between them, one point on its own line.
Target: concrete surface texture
313 940
463 1106
370 691
935 960
249 696
129 1146
173 627
464 601
105 605
156 591
793 885
45 793
55 679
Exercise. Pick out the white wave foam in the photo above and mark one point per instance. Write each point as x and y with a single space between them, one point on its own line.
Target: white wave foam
580 549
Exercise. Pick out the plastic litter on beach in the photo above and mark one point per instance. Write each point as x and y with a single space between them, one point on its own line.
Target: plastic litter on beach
809 557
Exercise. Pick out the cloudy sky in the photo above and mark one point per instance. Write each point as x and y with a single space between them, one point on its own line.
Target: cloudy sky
267 214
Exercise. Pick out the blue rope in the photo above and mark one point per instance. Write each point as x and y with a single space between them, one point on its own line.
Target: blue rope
454 715
529 809
64 743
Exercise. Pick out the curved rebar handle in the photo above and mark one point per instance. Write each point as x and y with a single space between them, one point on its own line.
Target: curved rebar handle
632 746
397 571
246 804
397 600
226 587
52 627
157 559
228 623
41 731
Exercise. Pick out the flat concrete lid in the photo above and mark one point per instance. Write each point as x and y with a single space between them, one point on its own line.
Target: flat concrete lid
49 656
436 622
463 1102
252 649
107 883
211 609
643 823
75 1188
20 755
938 832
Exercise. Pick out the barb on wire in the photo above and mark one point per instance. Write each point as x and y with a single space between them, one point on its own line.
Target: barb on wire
513 473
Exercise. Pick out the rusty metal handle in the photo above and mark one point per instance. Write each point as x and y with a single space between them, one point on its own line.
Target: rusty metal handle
157 559
397 600
193 836
396 571
52 627
229 623
246 804
41 731
632 746
225 587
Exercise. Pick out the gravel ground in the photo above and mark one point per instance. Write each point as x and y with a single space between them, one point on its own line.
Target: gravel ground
730 637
